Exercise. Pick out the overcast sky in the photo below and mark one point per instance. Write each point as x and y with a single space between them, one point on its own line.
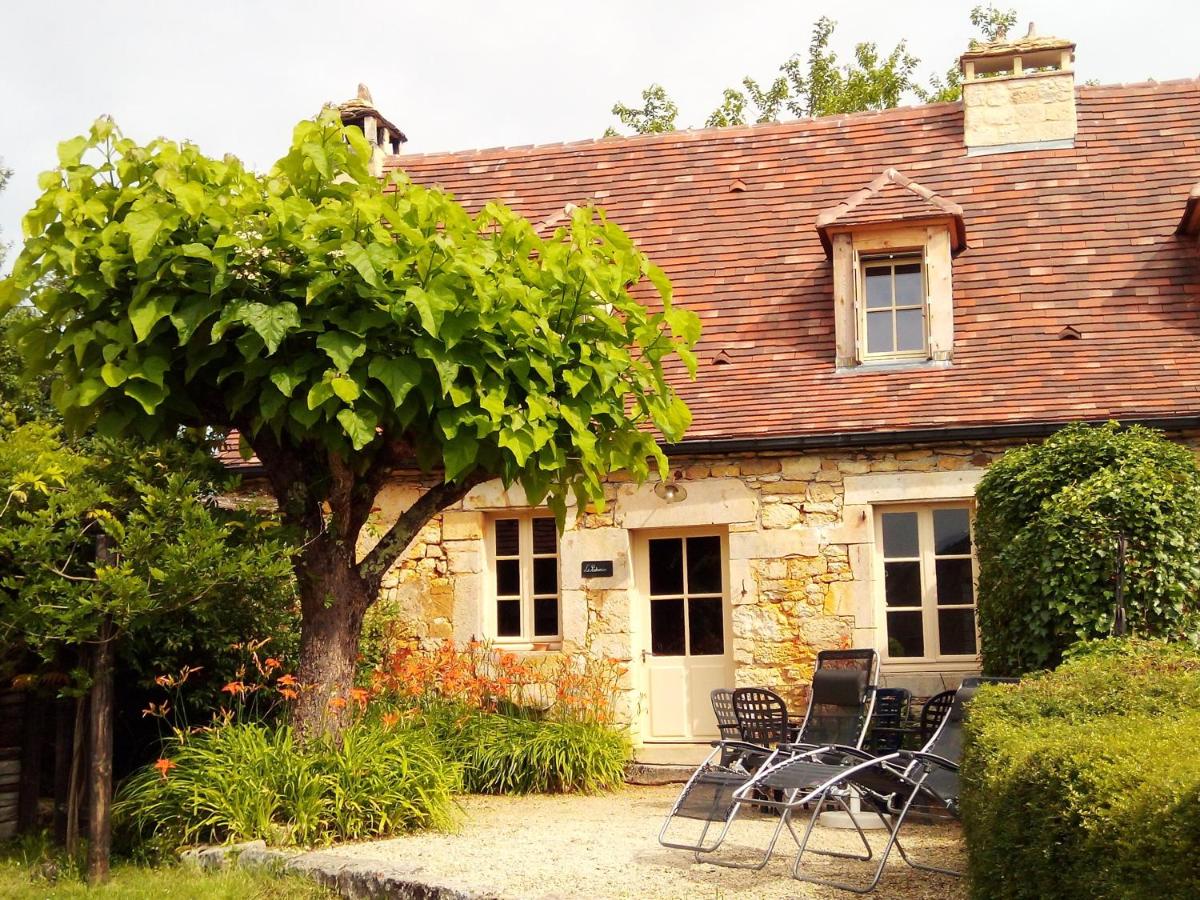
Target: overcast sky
235 75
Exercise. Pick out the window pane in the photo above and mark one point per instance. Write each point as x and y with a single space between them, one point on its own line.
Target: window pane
508 578
904 634
666 567
545 575
909 285
879 332
879 287
508 537
956 631
951 531
899 535
666 627
910 329
545 617
902 583
704 565
707 626
508 618
954 587
545 536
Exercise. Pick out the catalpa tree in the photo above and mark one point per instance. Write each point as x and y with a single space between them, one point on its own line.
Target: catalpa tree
345 326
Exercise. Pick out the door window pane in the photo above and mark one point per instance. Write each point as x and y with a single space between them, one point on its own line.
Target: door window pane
905 635
879 287
902 583
508 537
704 565
545 616
545 536
508 618
666 627
666 566
956 631
545 575
900 535
508 578
951 531
706 626
954 582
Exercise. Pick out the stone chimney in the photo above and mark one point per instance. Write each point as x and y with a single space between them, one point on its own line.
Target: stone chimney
1018 94
385 137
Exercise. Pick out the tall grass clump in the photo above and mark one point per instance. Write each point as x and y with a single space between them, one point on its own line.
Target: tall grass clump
236 782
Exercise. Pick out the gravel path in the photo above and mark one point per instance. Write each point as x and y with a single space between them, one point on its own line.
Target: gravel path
606 846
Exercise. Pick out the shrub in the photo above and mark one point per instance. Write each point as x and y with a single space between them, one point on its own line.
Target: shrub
1084 783
247 781
1047 528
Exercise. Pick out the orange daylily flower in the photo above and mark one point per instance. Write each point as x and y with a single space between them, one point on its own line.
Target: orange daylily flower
271 663
164 766
359 696
389 719
337 702
234 687
288 694
288 680
164 681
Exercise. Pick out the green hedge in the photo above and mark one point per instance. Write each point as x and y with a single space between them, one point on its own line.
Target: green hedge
1085 782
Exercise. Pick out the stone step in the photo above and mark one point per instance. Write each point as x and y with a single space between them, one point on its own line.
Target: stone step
657 773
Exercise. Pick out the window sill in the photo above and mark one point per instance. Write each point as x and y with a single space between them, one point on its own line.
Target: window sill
883 368
953 664
553 645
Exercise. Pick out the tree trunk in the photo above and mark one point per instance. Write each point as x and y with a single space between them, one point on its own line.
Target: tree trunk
333 600
100 798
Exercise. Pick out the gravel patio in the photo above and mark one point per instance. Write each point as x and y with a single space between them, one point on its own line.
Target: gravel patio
605 846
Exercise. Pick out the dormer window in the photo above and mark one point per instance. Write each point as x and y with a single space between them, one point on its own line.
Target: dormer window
892 314
891 245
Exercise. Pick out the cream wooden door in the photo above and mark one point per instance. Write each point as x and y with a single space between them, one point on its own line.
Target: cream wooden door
687 650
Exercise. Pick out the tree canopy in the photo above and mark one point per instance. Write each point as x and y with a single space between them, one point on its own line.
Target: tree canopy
817 83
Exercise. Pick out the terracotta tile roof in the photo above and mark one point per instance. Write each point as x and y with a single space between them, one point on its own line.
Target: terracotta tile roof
893 197
1190 223
1083 237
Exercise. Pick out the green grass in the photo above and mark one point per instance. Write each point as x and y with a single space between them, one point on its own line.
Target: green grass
31 868
129 882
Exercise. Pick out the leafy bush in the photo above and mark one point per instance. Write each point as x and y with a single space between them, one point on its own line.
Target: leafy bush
516 754
244 782
1083 782
1047 528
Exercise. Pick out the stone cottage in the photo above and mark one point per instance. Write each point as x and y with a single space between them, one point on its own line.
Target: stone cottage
889 300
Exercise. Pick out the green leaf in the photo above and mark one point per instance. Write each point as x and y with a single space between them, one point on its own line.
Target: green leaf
342 348
146 312
113 375
142 226
146 393
460 454
345 387
273 322
89 391
357 256
315 151
190 196
71 152
398 374
359 425
428 308
319 393
288 378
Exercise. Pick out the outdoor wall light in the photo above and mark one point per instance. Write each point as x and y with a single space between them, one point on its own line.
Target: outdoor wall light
671 490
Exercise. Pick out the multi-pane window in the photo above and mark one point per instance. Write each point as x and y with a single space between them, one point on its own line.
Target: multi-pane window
928 582
525 568
687 589
892 316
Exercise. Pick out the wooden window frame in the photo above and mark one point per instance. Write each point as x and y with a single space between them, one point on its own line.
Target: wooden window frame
928 568
891 259
525 558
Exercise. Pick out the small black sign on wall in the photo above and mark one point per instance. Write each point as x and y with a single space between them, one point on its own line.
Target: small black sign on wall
597 568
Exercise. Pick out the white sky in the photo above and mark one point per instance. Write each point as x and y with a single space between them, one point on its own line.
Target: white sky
235 76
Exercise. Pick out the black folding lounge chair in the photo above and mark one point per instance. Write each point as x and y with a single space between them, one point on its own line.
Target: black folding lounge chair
893 786
727 725
839 709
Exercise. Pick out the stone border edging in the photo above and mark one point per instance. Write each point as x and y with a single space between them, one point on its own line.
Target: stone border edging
355 879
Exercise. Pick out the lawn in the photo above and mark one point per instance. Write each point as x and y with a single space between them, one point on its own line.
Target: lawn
20 881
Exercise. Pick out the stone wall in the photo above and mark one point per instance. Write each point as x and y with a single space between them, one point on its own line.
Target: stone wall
1019 109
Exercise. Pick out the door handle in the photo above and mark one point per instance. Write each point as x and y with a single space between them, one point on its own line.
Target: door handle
644 654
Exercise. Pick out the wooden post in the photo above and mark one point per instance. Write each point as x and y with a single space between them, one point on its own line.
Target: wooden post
100 799
31 762
75 783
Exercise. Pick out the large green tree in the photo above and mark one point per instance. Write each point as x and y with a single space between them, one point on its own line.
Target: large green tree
817 83
345 327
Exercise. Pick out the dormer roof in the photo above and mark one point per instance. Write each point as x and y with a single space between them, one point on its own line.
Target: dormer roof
893 197
1190 223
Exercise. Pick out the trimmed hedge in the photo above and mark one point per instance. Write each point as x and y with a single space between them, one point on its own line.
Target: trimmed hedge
1085 782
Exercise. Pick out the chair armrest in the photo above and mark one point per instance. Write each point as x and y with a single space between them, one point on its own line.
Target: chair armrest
741 745
918 755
